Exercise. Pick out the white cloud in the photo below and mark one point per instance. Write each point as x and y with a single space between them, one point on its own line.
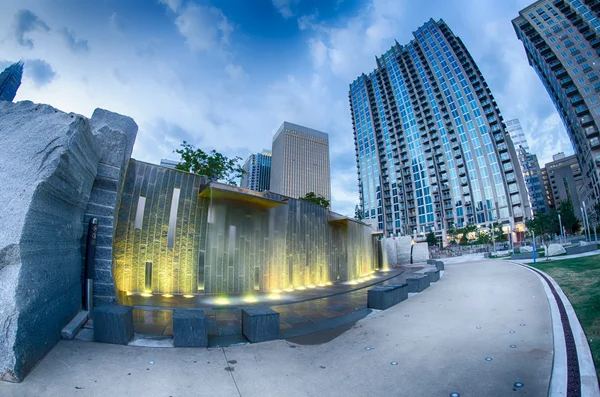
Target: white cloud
285 7
235 72
318 51
203 27
173 5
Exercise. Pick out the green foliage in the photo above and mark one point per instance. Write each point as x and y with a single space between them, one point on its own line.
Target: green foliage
499 235
567 214
214 165
358 213
463 240
431 240
544 225
311 197
483 238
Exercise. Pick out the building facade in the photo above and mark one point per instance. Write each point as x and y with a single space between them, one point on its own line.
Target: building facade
300 162
530 167
565 181
10 81
168 163
431 147
257 172
562 40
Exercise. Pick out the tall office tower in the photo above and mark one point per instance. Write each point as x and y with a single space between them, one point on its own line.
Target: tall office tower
516 134
10 80
431 147
561 40
565 181
530 167
257 172
300 162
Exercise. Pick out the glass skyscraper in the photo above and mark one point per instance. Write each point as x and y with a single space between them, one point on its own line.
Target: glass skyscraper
257 170
562 42
10 80
431 147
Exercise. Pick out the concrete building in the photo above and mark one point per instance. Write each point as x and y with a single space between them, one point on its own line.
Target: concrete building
300 162
431 146
168 163
565 181
257 172
530 167
561 40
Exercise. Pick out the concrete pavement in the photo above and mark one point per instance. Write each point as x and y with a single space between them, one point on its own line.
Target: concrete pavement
439 340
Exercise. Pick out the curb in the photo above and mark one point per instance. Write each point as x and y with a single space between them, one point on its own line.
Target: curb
573 370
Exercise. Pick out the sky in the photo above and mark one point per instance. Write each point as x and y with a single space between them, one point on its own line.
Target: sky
224 74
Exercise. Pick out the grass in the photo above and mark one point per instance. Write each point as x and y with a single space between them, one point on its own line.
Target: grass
580 280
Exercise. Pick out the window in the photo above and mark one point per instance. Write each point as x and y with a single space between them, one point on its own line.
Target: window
558 47
581 80
592 76
570 62
593 100
575 71
576 38
553 39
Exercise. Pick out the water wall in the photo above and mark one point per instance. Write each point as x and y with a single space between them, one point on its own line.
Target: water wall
177 234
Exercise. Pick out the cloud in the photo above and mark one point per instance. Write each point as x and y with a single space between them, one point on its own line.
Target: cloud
173 5
284 7
306 21
114 23
203 27
74 43
39 71
27 22
235 72
120 77
318 51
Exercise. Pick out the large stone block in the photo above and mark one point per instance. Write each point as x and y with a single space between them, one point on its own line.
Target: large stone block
417 283
434 275
260 324
555 249
48 162
386 296
190 328
113 324
439 265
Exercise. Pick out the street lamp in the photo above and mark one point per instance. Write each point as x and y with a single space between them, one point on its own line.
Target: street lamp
412 245
561 228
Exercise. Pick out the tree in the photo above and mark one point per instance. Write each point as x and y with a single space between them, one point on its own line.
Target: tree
452 234
311 197
431 240
358 213
544 225
567 215
483 237
214 165
499 235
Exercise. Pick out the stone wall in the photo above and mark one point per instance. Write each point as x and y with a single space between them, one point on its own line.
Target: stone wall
48 162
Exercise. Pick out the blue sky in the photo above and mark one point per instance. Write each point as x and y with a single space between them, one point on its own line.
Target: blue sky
224 74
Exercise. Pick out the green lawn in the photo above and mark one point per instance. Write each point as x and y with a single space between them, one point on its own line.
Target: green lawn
580 280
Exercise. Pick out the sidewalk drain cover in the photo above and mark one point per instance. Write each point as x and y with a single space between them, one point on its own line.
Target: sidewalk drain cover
488 359
454 394
512 346
511 332
478 327
368 348
522 325
394 363
519 384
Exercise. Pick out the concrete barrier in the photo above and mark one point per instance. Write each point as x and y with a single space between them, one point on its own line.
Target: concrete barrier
579 249
434 275
417 283
190 328
385 296
113 324
439 265
260 324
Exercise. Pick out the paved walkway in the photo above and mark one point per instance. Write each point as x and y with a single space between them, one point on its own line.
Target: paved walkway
433 344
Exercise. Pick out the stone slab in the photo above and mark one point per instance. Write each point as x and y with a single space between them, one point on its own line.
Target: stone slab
555 249
525 255
417 283
190 328
113 324
439 265
581 249
70 330
384 297
434 275
260 323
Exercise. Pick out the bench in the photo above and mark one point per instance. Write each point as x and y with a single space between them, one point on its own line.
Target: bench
113 324
386 296
190 328
260 323
417 283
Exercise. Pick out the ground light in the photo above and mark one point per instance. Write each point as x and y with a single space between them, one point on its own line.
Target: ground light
289 290
167 295
274 297
222 301
188 296
311 286
300 288
250 299
146 294
129 293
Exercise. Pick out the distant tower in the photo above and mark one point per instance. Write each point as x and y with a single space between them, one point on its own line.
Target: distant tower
10 80
257 170
300 163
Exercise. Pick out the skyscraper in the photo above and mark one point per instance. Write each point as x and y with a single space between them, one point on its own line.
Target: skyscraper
257 172
10 80
565 181
562 39
300 162
530 167
431 147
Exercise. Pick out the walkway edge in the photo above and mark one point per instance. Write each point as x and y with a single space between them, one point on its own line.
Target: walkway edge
587 370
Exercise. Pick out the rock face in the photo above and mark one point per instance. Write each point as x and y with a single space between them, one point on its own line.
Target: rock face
48 163
526 248
555 249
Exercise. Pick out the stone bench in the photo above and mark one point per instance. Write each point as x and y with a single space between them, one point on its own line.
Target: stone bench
386 296
260 323
439 265
434 275
113 324
190 328
581 249
431 261
525 255
417 283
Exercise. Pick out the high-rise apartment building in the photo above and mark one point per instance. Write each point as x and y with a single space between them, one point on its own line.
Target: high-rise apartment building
516 134
10 80
300 162
431 148
565 181
257 172
169 163
562 39
530 167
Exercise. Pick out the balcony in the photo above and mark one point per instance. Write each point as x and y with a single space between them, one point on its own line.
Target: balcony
576 100
591 131
595 143
565 81
586 121
560 73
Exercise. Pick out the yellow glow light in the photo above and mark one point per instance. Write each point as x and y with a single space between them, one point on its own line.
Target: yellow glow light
329 283
129 293
167 295
321 285
222 301
276 291
300 288
274 296
146 294
289 290
352 282
188 296
250 299
311 286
